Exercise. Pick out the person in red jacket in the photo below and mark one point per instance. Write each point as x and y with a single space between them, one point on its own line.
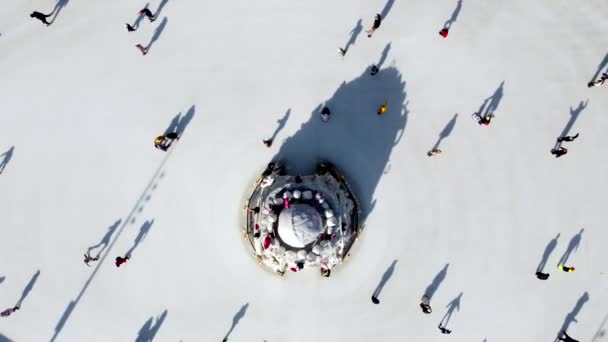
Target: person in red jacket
148 14
120 260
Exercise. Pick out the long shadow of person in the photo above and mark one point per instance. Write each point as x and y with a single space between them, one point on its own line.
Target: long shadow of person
453 305
105 241
385 277
149 330
357 141
574 113
354 33
6 158
548 250
387 8
447 130
384 55
281 124
28 288
572 247
571 316
454 16
434 285
160 8
157 32
59 6
495 99
179 123
140 16
600 68
235 320
143 231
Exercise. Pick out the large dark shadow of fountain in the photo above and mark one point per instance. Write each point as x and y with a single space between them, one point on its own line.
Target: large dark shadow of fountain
356 140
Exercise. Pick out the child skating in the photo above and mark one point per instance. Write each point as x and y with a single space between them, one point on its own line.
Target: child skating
375 26
434 152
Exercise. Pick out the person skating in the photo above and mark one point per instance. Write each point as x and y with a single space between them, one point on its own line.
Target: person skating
598 82
375 26
41 16
425 305
120 260
374 70
141 48
558 152
268 142
325 113
88 258
382 108
9 311
542 276
130 28
567 138
566 338
486 119
163 142
434 152
566 268
444 330
444 32
146 11
341 52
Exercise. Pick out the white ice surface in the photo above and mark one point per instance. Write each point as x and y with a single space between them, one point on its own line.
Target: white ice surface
82 106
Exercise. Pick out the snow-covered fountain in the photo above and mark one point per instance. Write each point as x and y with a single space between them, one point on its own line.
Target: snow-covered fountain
301 222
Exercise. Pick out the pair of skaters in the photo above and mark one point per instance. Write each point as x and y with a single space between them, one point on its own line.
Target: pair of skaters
560 151
118 261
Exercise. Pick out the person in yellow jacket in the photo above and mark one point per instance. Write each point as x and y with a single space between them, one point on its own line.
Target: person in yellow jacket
565 269
383 108
163 142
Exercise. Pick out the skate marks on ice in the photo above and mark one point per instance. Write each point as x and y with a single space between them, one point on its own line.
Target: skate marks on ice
357 140
599 334
572 247
447 130
235 320
385 277
354 33
600 68
548 250
387 8
452 306
28 288
574 113
143 231
180 122
434 285
157 32
571 316
59 6
454 16
490 105
6 157
149 330
105 240
130 219
280 124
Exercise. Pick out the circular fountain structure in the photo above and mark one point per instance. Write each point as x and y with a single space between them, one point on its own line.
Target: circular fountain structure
296 222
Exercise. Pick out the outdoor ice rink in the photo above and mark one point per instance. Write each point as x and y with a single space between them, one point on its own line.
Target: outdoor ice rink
80 107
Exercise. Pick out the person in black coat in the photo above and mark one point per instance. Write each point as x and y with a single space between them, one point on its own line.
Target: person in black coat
41 16
375 26
566 338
